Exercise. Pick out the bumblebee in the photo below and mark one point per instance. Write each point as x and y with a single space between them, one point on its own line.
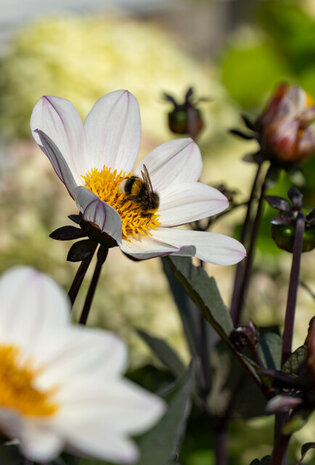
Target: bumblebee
141 191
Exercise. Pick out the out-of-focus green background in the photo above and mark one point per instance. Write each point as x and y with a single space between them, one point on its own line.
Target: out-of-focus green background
234 52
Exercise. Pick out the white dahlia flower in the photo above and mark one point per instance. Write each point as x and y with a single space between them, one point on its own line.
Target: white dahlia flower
61 385
95 160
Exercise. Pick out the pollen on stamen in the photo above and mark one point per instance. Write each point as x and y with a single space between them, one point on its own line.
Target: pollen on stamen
17 386
106 185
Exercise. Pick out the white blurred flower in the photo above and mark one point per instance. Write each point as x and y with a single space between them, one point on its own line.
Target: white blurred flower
94 159
61 385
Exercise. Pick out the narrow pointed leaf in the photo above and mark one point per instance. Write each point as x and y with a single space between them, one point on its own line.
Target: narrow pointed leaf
248 123
237 132
295 362
81 250
67 233
304 449
278 202
186 309
161 445
163 352
75 218
204 292
269 350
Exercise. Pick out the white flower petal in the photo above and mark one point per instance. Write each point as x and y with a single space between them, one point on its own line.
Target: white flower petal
144 248
292 103
123 405
58 162
32 306
83 353
177 161
112 132
306 143
94 439
186 202
99 213
39 442
58 118
210 247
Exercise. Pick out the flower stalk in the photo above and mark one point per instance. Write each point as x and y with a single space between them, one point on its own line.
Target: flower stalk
239 274
293 287
101 257
242 284
79 277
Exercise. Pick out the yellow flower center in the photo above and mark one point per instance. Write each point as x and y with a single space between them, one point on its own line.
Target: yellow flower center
106 185
17 390
309 100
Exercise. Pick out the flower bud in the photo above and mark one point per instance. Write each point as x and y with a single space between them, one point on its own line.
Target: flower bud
283 235
287 126
185 118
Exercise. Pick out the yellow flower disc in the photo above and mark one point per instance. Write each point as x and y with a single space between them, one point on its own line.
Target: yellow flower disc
106 185
17 390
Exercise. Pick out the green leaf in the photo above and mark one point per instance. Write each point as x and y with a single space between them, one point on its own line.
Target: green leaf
234 393
163 352
10 455
160 446
269 350
297 421
294 363
204 292
186 309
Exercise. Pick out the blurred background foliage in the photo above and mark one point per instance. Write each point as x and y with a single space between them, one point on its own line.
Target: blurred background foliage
237 62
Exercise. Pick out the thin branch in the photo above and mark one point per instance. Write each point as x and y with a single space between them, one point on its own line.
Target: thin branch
240 268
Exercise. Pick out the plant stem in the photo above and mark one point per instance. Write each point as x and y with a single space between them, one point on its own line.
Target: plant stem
79 277
242 280
220 447
241 265
101 257
204 358
280 451
192 122
293 287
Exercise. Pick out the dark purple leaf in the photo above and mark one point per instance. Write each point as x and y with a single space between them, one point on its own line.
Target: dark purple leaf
169 98
67 233
278 202
81 250
237 132
296 198
75 218
248 123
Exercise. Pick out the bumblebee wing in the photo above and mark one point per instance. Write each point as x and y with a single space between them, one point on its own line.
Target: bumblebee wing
146 179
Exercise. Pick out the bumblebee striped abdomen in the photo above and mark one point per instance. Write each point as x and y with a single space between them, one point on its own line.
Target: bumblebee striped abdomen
140 191
134 186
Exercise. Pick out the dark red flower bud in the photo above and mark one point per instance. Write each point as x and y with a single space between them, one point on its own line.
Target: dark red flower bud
287 126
